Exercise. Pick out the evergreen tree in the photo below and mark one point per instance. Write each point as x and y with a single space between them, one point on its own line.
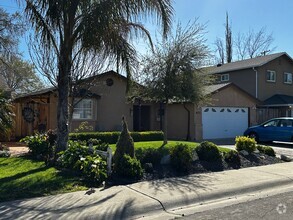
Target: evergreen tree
125 143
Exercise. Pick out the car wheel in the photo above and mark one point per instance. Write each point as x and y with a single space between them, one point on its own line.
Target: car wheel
254 136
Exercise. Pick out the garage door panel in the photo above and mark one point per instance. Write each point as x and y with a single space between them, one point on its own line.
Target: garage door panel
224 122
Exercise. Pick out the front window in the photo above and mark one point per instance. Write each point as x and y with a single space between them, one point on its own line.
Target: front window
271 76
83 109
288 78
224 77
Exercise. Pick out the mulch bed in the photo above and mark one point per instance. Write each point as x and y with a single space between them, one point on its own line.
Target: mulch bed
251 160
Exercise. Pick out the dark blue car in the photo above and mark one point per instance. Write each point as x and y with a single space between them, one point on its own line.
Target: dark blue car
276 129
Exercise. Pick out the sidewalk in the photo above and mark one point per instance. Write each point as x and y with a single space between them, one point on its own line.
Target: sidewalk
148 198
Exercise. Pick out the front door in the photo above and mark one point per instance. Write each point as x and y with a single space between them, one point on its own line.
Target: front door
141 118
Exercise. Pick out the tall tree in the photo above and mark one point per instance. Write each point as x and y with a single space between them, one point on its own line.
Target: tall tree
169 72
258 42
11 27
6 114
224 48
102 26
19 75
229 41
220 49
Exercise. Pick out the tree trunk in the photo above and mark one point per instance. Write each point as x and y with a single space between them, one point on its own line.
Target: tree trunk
166 124
188 123
62 112
63 92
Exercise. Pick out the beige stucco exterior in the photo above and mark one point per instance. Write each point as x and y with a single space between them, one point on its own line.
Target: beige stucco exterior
111 104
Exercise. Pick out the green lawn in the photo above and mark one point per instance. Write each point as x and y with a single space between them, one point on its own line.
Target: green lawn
159 145
21 177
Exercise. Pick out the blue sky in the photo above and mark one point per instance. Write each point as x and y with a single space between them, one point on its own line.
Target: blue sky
275 15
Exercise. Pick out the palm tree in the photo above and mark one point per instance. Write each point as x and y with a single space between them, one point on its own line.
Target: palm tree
6 114
102 26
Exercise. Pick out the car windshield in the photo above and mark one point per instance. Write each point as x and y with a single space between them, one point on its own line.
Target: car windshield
273 123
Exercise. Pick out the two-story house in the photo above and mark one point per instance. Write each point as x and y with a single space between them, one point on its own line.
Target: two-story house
267 78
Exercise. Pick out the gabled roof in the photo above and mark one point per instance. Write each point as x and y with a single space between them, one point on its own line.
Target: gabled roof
53 89
245 64
215 88
279 100
212 89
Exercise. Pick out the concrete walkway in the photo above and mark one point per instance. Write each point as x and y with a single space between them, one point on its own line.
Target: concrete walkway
153 199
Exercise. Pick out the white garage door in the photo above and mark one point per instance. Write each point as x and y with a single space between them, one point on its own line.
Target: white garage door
224 122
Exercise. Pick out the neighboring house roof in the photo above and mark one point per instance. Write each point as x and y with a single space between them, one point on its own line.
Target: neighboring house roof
36 93
53 89
212 89
215 88
279 100
244 64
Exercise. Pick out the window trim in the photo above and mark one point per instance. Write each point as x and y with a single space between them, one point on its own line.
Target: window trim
91 109
275 74
287 82
225 77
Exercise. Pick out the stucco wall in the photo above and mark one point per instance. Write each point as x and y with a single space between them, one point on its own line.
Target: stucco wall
178 121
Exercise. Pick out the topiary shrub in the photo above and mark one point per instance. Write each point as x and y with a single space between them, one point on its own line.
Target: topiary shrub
232 157
124 145
181 157
266 150
208 151
245 143
128 167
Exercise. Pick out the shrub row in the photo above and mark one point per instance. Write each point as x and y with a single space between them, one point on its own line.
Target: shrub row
112 137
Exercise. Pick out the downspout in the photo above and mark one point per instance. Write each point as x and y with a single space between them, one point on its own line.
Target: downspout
256 82
188 122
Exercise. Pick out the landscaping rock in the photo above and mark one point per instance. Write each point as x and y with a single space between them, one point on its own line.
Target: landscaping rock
262 157
285 158
244 152
166 160
256 151
194 156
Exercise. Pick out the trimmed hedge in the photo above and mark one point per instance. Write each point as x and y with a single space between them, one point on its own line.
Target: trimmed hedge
112 137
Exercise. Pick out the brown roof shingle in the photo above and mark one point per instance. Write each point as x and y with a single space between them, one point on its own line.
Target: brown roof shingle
245 64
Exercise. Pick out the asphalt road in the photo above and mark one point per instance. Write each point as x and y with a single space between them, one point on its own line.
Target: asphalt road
276 207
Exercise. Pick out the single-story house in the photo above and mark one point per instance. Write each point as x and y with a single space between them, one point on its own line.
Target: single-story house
229 112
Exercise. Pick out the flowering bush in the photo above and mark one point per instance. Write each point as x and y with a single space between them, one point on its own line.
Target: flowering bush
81 158
38 145
4 151
93 167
